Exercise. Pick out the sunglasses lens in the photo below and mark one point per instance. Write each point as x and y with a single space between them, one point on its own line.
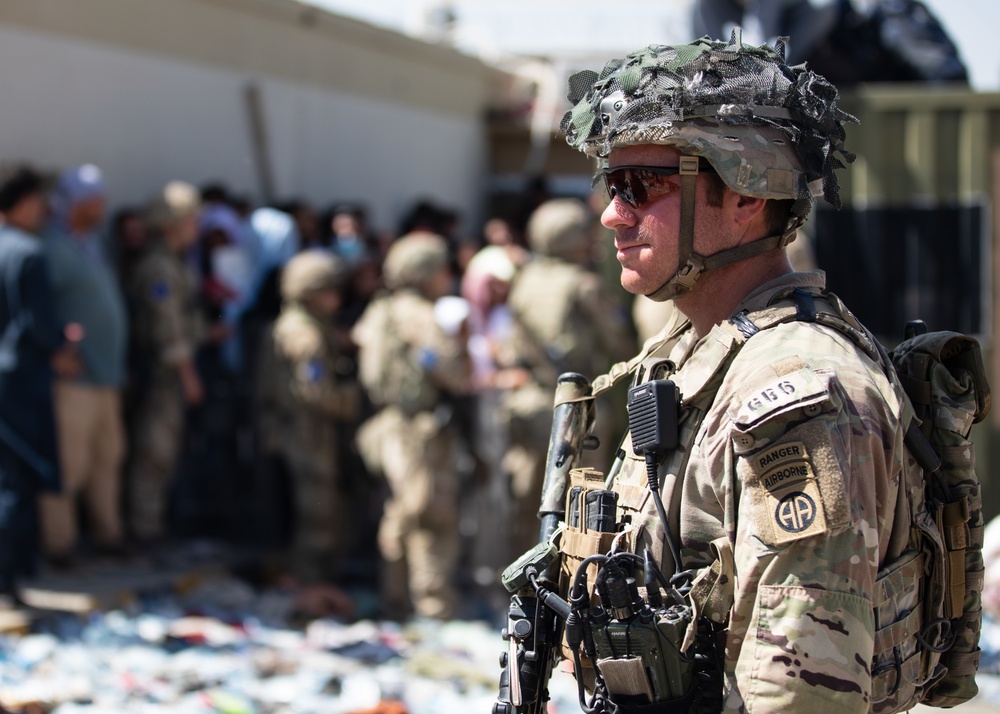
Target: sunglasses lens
624 184
637 187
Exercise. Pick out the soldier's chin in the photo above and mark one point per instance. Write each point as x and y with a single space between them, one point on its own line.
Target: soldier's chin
639 284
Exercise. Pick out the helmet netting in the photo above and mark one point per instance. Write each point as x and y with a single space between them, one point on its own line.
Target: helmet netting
656 92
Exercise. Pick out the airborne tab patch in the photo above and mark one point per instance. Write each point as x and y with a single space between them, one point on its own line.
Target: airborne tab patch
788 497
783 465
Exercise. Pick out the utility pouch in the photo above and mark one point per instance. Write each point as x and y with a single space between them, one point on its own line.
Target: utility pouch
642 664
591 525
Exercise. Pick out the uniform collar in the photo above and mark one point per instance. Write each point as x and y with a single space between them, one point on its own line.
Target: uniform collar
761 297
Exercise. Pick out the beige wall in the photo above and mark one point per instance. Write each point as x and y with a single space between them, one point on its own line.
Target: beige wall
155 89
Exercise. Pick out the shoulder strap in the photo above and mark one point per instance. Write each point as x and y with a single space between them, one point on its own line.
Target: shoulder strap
621 370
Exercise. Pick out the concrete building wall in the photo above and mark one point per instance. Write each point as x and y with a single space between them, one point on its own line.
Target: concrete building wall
152 90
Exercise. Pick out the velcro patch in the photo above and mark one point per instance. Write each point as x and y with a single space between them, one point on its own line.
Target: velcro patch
795 451
794 489
786 475
761 398
787 497
793 511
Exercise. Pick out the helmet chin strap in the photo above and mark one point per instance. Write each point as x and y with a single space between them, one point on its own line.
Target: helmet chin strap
692 265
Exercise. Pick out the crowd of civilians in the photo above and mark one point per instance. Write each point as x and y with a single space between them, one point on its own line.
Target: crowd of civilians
76 376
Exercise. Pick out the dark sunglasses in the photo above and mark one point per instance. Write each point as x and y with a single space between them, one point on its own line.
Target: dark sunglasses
638 185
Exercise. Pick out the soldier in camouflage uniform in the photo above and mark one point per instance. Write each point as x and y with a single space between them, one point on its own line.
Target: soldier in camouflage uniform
314 397
411 369
782 494
167 328
582 328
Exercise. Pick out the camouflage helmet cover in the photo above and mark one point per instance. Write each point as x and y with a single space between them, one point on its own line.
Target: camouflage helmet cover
312 271
769 130
413 259
176 201
560 227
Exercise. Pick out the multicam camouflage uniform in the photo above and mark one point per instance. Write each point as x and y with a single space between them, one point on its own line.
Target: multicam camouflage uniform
167 328
410 366
565 320
784 488
790 460
314 400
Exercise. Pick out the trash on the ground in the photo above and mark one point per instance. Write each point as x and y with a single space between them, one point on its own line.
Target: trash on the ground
215 644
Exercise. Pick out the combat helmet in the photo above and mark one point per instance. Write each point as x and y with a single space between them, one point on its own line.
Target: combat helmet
769 130
560 227
414 259
176 201
311 271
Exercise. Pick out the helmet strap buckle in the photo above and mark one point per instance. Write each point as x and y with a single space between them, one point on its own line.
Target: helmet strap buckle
687 276
689 165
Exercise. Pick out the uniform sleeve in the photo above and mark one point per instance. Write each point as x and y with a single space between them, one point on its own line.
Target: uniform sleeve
445 359
813 494
314 381
162 293
441 356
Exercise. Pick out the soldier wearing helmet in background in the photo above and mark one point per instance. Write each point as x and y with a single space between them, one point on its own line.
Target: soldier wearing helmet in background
167 329
411 367
565 320
314 397
780 494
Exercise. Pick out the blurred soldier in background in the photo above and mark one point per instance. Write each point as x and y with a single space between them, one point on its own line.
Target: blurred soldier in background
167 330
88 408
565 320
412 368
308 376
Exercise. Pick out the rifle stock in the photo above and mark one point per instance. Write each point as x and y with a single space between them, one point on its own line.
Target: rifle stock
534 631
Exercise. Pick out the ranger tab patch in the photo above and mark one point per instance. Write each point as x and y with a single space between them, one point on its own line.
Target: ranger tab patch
783 465
787 497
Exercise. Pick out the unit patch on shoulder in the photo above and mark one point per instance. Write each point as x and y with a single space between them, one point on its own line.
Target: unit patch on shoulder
313 370
783 465
786 496
796 512
160 290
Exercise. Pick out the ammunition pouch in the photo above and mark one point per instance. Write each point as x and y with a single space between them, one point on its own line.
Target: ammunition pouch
629 645
578 541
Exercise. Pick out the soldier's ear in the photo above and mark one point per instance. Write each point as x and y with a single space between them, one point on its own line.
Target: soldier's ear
745 209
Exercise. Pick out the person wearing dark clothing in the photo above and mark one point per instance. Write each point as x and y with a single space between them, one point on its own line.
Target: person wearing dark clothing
31 347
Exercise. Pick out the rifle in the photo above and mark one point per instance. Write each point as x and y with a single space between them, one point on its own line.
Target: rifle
536 614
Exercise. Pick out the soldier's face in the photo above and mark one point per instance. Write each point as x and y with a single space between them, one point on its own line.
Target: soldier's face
646 236
325 302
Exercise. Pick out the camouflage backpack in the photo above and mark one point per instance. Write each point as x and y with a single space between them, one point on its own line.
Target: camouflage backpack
928 608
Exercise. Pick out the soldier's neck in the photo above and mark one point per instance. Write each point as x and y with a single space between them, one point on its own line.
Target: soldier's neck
719 292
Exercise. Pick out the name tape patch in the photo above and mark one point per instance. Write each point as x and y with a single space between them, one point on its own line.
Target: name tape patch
765 398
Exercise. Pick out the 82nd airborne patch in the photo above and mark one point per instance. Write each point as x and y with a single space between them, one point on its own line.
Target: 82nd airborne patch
788 504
